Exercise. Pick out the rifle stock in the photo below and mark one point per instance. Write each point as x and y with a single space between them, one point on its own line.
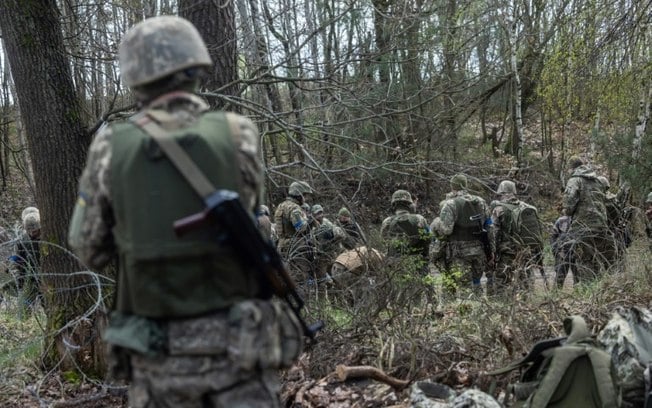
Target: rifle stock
224 208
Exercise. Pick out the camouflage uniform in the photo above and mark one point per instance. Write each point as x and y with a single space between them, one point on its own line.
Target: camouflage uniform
464 250
406 233
328 238
264 222
513 259
293 228
561 248
27 260
214 357
592 243
354 235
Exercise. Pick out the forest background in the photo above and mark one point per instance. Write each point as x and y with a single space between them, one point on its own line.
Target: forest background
358 97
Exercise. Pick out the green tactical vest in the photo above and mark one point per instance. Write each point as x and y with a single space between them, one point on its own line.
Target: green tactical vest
406 236
161 275
465 229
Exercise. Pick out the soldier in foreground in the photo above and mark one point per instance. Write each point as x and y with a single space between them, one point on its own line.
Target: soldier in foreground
189 326
464 222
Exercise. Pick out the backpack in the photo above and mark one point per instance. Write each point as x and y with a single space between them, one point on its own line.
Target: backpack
627 337
564 372
405 228
523 225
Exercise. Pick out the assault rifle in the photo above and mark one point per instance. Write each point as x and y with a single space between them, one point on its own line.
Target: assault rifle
483 235
224 208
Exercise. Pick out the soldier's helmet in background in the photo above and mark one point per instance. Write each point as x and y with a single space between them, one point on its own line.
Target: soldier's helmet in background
299 188
459 182
27 211
402 196
158 47
506 187
316 209
32 222
649 198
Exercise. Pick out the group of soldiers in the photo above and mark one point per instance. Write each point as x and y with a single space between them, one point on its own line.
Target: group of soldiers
192 322
502 241
305 237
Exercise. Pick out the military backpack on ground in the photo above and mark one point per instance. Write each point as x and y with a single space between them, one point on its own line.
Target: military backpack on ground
565 372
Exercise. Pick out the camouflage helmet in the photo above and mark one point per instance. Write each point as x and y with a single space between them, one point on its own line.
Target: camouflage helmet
299 188
402 196
605 182
27 211
316 209
649 198
506 187
158 47
32 222
306 208
263 210
575 162
459 182
344 212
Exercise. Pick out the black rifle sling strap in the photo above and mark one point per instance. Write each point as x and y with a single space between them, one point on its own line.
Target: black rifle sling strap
179 158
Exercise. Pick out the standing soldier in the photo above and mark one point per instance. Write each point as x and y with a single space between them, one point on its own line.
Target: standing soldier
293 229
519 243
404 232
354 235
584 202
27 260
190 325
464 222
561 244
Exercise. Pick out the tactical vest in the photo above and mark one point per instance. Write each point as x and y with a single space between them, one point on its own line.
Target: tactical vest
406 236
161 275
465 229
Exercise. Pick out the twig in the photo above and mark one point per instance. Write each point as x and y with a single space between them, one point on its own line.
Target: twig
344 373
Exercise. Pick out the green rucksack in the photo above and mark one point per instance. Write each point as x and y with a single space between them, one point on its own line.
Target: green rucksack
523 225
565 372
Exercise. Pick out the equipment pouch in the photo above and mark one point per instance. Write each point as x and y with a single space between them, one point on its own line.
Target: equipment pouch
264 334
135 333
206 335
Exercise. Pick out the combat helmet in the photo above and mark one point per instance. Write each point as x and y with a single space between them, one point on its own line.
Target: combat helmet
32 222
299 188
402 196
649 198
316 209
506 187
604 182
158 47
344 212
27 211
459 182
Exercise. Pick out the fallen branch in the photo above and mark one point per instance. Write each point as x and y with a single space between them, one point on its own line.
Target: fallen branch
344 373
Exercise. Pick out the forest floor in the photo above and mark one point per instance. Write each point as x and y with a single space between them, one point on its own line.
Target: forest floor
453 342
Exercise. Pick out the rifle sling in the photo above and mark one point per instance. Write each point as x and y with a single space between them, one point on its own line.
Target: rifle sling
179 158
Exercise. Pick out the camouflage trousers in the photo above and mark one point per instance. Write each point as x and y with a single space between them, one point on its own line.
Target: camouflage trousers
466 263
199 382
592 252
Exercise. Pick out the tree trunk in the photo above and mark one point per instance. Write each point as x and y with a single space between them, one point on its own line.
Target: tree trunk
215 21
57 142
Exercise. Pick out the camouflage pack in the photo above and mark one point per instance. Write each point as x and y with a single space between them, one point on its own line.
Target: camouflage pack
569 372
522 223
627 337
